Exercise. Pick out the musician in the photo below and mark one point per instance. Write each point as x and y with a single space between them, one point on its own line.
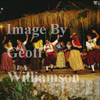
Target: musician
93 50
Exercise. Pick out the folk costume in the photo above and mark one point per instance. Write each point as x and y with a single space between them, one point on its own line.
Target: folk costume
93 53
36 60
67 53
60 63
21 59
6 58
75 59
50 55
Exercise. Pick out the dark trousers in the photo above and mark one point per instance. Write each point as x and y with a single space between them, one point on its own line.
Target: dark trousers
50 59
93 56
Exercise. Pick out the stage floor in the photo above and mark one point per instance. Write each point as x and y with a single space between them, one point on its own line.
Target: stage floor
84 75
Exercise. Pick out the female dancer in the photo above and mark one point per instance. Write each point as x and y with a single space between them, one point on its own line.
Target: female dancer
36 60
75 59
21 60
6 58
60 63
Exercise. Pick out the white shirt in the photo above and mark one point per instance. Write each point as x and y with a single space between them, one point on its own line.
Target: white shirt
69 47
91 43
49 47
24 43
11 48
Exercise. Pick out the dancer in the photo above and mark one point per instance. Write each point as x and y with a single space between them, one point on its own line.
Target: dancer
60 63
2 45
75 59
21 59
84 57
36 60
49 49
68 47
93 50
6 58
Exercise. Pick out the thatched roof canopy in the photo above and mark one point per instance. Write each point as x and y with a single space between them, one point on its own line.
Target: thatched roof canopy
73 19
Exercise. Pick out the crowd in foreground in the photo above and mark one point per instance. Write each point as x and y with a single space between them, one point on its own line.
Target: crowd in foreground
52 55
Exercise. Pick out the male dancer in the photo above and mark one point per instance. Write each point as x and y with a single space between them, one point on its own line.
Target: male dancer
93 51
50 54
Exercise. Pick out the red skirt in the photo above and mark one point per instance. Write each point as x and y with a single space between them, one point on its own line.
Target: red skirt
6 62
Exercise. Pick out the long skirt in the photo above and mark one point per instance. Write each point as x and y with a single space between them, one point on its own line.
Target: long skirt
93 56
36 61
36 64
75 60
6 62
60 63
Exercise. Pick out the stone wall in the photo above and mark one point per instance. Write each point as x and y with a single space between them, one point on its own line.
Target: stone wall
64 86
82 88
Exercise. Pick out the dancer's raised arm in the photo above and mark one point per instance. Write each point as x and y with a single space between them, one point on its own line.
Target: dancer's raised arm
97 35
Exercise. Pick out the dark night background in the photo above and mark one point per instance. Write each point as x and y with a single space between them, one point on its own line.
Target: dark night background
13 9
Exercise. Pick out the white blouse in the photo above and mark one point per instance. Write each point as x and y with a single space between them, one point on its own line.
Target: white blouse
49 47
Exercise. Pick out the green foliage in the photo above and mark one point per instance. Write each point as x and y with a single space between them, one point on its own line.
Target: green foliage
50 33
82 14
79 16
18 90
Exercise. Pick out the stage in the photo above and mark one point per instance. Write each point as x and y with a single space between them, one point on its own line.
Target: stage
84 75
